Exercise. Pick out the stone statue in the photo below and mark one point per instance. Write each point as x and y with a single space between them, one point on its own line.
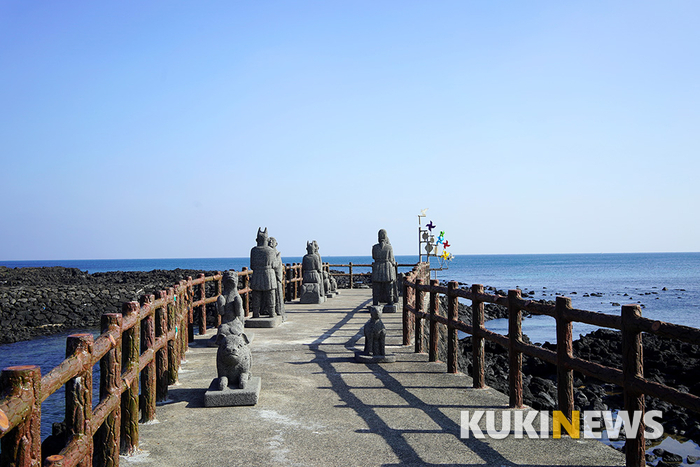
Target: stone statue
229 304
383 271
233 359
375 340
234 384
263 281
312 276
327 292
375 333
279 275
332 283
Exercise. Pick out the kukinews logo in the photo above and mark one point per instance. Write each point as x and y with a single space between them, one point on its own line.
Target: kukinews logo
534 424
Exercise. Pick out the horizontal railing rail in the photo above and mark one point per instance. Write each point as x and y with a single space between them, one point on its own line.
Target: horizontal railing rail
139 352
630 323
351 275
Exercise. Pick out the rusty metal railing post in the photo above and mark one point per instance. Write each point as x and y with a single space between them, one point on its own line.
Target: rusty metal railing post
406 314
478 357
21 447
565 377
190 310
350 279
219 291
633 367
434 336
162 376
515 334
418 328
183 311
107 436
174 343
130 373
288 274
79 399
202 308
452 316
246 296
148 374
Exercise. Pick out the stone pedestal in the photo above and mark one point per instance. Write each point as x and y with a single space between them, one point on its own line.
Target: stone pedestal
230 397
390 308
311 294
263 322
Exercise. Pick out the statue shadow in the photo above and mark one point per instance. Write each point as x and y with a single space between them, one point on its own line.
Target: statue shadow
194 397
401 398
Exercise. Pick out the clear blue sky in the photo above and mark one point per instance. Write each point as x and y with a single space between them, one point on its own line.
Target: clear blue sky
175 129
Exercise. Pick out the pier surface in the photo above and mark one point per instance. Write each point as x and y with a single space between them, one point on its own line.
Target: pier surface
318 407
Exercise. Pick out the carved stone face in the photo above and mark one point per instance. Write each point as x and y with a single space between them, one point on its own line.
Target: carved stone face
272 242
382 236
231 279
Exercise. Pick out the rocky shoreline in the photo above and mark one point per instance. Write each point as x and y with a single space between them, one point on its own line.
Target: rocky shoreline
44 301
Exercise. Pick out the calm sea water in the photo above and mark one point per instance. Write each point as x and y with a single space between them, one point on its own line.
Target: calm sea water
617 278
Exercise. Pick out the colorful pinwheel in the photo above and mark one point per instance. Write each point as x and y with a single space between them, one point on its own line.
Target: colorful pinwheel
430 226
445 244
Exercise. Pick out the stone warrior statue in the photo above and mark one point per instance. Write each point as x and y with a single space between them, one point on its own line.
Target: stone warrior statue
312 276
328 289
263 281
383 271
279 275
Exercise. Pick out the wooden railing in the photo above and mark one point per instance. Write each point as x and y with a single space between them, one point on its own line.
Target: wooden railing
140 348
350 273
630 323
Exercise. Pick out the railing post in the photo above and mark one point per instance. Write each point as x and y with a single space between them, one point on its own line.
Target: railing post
162 376
452 316
515 334
174 344
219 291
148 374
406 314
183 313
130 373
22 445
246 296
202 308
350 279
632 367
107 436
420 299
434 329
190 310
79 397
478 357
565 376
289 275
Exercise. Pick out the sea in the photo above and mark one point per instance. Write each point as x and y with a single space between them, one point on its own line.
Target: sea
665 285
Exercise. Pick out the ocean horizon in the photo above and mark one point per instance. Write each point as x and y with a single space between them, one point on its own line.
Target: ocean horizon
665 285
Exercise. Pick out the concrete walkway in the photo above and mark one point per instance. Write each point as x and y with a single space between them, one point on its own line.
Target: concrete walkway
318 407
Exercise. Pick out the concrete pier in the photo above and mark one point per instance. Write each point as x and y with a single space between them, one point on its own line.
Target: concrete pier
318 407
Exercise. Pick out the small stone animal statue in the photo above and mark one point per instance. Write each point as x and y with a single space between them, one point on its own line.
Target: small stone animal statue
233 360
375 333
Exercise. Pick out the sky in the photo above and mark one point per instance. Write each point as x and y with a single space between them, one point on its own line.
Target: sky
159 129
